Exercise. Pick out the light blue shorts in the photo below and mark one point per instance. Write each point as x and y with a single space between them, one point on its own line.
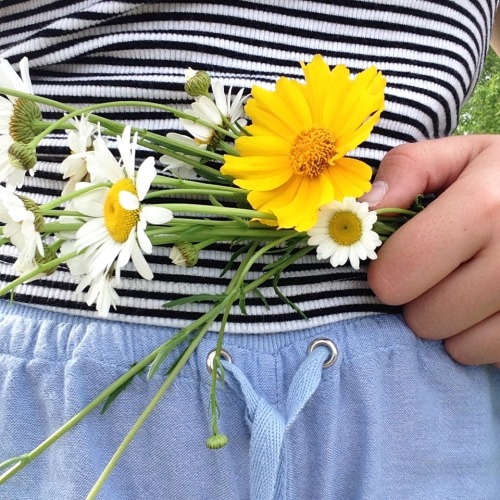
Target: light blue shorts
393 418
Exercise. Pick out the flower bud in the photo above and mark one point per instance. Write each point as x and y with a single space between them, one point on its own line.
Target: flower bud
217 441
34 208
197 83
22 124
48 256
22 156
184 254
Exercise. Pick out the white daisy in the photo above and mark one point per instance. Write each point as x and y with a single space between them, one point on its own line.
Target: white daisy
214 112
115 233
20 226
100 290
16 116
231 108
178 167
74 167
344 232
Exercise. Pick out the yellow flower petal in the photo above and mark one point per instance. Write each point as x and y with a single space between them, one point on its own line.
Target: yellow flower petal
317 74
302 211
270 175
349 177
287 103
265 200
291 203
262 145
355 137
363 97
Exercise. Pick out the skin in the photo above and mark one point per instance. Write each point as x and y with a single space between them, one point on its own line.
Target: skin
443 265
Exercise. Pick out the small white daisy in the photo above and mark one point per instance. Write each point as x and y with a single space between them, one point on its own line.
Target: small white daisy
231 108
178 167
74 167
344 232
206 110
214 112
16 117
100 290
20 226
116 231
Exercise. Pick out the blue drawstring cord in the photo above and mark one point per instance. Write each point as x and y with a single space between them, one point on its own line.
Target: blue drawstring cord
268 426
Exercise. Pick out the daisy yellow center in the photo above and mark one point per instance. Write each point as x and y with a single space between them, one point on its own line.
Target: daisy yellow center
345 228
311 151
120 221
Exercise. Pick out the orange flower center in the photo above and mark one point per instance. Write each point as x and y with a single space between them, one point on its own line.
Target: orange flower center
312 151
120 221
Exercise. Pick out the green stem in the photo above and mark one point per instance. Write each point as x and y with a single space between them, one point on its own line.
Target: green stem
201 186
197 191
146 413
51 205
39 270
27 458
401 211
117 127
232 292
211 210
215 370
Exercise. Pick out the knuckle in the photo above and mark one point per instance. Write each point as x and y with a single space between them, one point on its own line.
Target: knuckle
457 352
404 155
385 289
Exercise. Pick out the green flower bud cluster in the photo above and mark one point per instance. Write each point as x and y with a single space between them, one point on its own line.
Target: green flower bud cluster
22 156
184 254
26 114
197 83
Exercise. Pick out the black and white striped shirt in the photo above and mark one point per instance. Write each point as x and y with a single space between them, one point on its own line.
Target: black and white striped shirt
88 51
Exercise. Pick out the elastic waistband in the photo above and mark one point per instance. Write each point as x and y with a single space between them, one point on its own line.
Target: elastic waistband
32 333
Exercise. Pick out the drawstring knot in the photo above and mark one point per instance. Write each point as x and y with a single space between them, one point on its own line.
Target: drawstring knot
268 425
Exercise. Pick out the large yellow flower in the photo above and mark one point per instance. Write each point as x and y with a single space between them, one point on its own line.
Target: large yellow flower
294 160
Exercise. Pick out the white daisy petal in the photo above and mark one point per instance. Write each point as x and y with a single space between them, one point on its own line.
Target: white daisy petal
207 109
141 264
128 200
102 165
145 176
144 242
157 215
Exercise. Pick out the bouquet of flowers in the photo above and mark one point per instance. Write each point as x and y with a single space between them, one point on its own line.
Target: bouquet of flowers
283 185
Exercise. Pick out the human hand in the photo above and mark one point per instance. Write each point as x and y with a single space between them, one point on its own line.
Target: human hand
443 266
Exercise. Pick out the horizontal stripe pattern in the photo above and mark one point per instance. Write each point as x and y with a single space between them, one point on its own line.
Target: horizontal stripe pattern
93 51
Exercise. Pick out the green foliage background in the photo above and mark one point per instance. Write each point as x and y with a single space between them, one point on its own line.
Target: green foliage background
481 114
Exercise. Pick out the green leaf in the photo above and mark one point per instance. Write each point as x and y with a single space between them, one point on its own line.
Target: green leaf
119 390
285 299
201 297
234 256
241 301
162 355
261 297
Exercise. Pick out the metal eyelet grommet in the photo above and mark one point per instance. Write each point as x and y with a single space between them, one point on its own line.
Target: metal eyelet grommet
334 353
211 356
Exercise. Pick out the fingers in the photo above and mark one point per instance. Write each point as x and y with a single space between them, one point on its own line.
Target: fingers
458 302
443 264
462 222
424 167
429 247
477 345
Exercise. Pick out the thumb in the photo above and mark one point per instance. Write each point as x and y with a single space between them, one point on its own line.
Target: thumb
421 168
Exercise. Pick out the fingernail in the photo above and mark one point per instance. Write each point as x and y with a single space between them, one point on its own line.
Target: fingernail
376 194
